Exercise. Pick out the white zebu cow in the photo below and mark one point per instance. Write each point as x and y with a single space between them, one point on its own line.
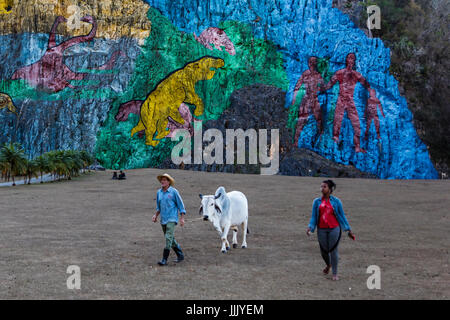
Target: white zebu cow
226 211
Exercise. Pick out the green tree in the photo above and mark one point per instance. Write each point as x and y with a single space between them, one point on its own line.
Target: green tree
43 165
13 157
87 159
31 170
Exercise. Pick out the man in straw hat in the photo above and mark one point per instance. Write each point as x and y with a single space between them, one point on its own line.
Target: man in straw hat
168 204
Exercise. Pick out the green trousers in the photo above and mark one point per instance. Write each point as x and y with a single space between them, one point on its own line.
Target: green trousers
169 235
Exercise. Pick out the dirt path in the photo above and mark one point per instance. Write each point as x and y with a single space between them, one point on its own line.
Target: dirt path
104 227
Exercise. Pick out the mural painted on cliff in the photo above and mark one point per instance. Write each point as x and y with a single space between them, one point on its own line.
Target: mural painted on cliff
371 114
63 76
163 103
7 103
255 61
115 19
304 28
313 82
51 73
6 6
218 38
337 96
347 78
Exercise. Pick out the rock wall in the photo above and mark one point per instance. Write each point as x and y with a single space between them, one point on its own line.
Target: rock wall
118 77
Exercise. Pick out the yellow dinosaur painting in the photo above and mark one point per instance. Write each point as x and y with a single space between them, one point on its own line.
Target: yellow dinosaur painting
163 102
6 102
6 6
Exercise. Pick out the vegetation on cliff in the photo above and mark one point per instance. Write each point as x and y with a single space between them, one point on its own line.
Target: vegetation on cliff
417 33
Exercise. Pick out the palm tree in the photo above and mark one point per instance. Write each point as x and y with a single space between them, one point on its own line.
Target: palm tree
43 165
73 162
60 163
59 166
87 159
4 166
14 155
55 165
31 170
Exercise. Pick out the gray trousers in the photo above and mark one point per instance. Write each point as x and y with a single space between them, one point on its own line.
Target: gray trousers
328 242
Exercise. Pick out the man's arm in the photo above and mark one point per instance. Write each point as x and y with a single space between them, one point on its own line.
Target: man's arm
329 85
180 206
158 209
179 203
363 80
381 109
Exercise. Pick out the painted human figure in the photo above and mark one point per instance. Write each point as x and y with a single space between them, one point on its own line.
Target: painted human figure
310 102
371 113
347 78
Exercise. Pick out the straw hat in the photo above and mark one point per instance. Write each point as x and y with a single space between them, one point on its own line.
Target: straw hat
165 175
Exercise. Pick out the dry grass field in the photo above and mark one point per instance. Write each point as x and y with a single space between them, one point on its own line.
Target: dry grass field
104 226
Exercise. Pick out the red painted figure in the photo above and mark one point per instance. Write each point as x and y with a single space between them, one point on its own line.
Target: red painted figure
310 102
371 113
347 78
51 73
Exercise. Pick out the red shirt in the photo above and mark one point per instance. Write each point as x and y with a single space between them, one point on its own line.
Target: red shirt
327 219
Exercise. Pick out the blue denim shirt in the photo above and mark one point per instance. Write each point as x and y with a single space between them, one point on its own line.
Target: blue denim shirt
168 203
338 211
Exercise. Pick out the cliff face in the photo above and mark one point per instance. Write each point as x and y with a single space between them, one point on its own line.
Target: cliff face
63 87
417 33
103 87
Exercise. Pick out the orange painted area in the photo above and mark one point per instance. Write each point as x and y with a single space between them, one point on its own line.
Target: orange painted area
116 19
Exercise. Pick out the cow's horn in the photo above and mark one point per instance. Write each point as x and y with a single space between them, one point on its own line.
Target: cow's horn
201 196
218 196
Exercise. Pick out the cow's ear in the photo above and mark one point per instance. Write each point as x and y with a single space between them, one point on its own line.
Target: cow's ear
200 211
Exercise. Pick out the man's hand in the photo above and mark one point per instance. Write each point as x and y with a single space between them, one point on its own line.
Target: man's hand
155 217
182 220
308 232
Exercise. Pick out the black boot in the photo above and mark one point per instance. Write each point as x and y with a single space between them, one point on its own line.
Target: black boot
166 253
179 253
